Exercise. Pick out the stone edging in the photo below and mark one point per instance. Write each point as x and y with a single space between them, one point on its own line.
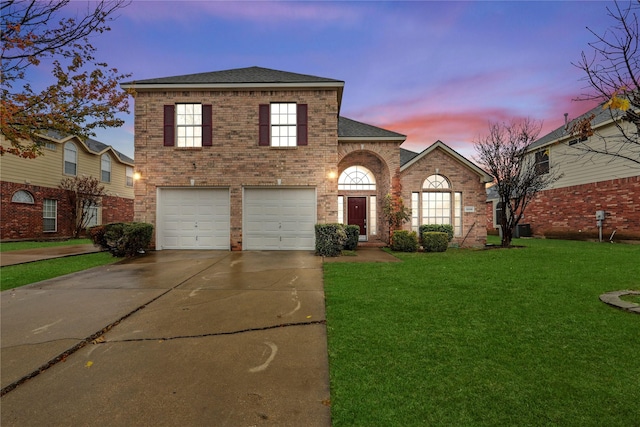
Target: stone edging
613 299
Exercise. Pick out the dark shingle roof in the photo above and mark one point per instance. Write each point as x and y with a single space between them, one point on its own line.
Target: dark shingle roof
348 128
406 156
601 115
92 144
240 76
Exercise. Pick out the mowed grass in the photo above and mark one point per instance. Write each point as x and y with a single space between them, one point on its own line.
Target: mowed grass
499 337
17 246
13 276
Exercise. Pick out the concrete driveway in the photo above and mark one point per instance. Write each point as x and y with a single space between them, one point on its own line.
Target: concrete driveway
173 338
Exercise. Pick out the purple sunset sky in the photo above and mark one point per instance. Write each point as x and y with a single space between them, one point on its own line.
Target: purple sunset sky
429 70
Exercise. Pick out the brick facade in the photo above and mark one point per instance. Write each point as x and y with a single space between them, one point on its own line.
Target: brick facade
235 160
571 210
21 221
462 179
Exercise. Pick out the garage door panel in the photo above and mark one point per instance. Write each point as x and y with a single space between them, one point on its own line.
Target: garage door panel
193 218
279 219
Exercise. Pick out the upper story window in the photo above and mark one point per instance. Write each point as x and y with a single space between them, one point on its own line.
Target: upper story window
70 159
356 178
129 172
283 124
105 168
22 196
188 125
542 162
50 146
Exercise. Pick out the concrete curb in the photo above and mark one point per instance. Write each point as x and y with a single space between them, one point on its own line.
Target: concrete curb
613 299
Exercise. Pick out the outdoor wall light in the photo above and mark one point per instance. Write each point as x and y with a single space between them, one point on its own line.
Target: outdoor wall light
332 175
137 176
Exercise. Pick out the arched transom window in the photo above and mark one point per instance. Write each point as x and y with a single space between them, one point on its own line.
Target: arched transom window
437 182
356 178
22 196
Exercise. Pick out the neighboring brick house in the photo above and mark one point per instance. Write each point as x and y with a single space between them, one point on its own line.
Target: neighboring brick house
589 183
253 158
33 207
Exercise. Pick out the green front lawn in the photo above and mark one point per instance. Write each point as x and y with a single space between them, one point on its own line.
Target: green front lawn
17 246
496 337
13 276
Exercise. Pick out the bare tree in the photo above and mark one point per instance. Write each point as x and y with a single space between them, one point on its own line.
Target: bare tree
612 72
518 175
83 93
83 194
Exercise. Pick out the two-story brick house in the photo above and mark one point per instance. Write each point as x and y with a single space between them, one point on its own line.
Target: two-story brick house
34 207
253 158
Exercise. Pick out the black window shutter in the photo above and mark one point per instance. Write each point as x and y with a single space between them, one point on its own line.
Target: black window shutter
207 128
169 125
263 118
301 115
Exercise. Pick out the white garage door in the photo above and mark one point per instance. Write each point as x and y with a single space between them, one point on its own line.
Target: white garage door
193 218
279 218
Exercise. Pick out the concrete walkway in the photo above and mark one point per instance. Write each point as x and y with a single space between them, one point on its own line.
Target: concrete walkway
39 254
173 338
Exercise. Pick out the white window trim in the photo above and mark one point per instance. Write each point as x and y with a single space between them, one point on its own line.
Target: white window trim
53 216
284 124
71 149
188 125
105 167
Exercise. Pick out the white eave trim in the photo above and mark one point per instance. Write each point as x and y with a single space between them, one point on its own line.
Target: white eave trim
228 85
371 139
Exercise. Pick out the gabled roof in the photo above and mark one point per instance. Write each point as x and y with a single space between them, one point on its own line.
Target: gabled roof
485 177
602 116
406 156
91 145
250 77
237 76
351 130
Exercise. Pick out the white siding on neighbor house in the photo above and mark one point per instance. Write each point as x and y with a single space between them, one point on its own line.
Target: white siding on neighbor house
579 168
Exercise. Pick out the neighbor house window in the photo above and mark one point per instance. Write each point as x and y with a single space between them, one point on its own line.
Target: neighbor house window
50 146
438 204
105 168
282 124
50 215
542 162
356 178
91 215
70 159
129 172
188 125
22 196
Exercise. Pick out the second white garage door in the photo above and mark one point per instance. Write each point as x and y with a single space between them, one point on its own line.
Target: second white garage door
279 218
193 218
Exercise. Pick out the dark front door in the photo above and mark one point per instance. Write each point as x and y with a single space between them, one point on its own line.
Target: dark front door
357 213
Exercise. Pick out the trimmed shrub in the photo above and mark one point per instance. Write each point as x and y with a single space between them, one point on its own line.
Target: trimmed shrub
353 234
123 239
330 239
96 234
439 228
434 241
404 241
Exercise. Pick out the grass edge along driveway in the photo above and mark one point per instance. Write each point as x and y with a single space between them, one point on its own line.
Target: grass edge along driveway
485 338
13 276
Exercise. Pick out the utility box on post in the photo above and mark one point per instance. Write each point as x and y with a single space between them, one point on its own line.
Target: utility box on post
599 215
